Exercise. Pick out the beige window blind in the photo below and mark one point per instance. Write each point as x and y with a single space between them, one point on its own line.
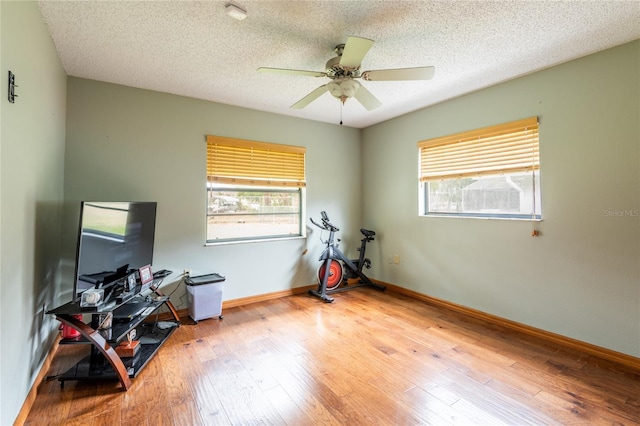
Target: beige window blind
243 162
494 150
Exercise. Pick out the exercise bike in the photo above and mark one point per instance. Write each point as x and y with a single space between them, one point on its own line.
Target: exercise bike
331 273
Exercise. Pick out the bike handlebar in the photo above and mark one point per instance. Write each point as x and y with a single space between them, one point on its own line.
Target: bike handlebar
326 225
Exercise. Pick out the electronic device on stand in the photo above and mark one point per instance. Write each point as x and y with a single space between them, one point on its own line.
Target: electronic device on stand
115 240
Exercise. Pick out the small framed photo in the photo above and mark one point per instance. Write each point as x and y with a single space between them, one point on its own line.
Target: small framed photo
146 276
131 282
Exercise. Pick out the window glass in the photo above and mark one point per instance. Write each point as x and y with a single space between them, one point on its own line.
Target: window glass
240 213
514 195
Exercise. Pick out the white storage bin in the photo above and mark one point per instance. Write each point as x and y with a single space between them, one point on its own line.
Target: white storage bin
204 294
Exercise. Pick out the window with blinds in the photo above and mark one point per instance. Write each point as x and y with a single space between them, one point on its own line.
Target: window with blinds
488 172
255 190
238 161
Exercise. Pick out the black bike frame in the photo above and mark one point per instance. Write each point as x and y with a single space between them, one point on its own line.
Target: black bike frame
332 252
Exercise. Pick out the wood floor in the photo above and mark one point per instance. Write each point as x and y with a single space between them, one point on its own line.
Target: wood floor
370 358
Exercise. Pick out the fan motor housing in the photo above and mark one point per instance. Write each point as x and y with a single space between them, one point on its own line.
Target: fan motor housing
335 70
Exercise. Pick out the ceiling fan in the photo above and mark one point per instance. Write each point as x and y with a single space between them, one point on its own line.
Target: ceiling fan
345 68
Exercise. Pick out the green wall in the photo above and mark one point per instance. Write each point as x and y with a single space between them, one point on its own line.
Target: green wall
31 182
133 144
581 277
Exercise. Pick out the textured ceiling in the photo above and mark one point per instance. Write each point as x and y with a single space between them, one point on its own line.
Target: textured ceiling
194 49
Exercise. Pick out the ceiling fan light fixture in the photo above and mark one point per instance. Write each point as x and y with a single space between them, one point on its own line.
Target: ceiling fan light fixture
235 12
349 88
343 89
334 89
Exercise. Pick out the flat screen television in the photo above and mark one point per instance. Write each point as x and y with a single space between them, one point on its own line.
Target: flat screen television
115 239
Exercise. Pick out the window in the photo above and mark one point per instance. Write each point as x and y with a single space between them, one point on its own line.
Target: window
255 190
488 172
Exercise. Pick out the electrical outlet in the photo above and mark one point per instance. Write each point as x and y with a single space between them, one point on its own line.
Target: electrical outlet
389 259
396 259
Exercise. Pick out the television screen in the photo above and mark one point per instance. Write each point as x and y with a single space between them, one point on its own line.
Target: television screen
115 238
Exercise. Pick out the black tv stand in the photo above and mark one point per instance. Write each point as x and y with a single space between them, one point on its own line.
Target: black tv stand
103 363
95 367
125 297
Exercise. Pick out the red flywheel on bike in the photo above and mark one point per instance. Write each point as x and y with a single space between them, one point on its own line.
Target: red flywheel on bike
335 274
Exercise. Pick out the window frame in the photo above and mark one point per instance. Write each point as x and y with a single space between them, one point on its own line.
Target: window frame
505 149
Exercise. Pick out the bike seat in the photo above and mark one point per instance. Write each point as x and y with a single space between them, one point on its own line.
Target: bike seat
367 233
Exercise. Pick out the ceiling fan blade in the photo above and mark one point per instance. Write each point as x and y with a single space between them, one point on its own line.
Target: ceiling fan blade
292 72
310 97
418 73
354 51
366 98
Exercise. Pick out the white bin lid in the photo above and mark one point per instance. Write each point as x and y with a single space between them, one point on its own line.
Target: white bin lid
205 279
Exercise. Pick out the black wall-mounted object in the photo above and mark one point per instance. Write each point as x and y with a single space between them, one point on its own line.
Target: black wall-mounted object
12 86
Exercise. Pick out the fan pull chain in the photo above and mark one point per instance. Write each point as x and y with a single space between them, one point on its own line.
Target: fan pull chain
341 107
